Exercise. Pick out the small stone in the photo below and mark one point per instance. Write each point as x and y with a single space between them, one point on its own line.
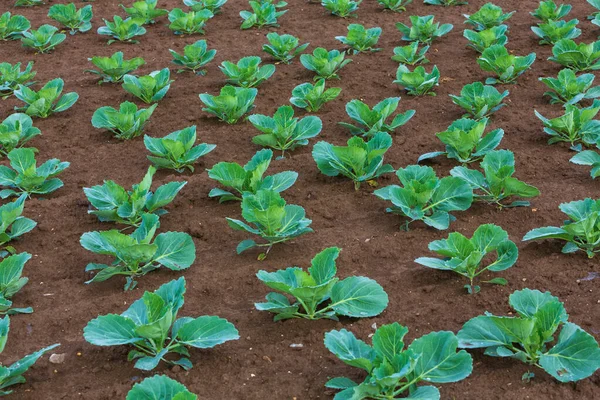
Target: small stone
297 346
176 369
58 358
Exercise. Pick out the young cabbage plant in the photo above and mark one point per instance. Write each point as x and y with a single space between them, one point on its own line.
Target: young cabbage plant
506 66
496 183
189 23
341 8
267 215
214 6
319 293
480 41
360 39
283 132
283 48
445 3
576 126
160 387
247 73
112 69
488 16
581 230
425 197
113 203
13 26
126 123
176 150
552 31
471 257
12 223
596 5
47 100
72 18
419 82
149 88
589 158
411 54
325 64
28 3
231 104
479 100
248 178
393 371
144 12
313 97
11 281
374 120
23 176
423 29
121 30
549 11
137 254
16 130
570 89
264 14
466 141
578 57
530 337
44 39
11 77
360 160
194 58
150 325
394 5
13 374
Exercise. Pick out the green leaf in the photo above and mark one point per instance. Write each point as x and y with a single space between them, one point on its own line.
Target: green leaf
323 267
358 296
388 340
176 250
350 350
110 330
206 332
160 387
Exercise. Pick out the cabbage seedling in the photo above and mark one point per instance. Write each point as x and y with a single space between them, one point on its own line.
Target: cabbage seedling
578 57
264 14
44 39
506 66
419 82
589 158
341 8
122 30
570 89
13 26
482 40
313 97
16 130
194 57
488 16
214 6
11 281
325 64
423 30
72 18
149 88
12 223
247 73
360 39
283 48
112 69
190 23
374 120
144 12
394 5
231 104
47 100
479 100
125 123
160 387
411 54
552 31
549 11
576 126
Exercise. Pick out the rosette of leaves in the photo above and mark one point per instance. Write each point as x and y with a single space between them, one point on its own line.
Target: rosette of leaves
505 66
44 39
325 64
144 12
248 178
471 257
149 88
360 160
445 3
596 5
488 16
247 72
411 54
466 141
16 130
13 374
284 132
176 150
138 253
581 230
214 6
394 5
479 41
423 29
530 337
11 77
122 30
549 11
418 82
13 26
11 281
47 100
589 158
552 31
267 215
28 3
360 39
283 48
112 69
373 120
194 57
160 387
231 104
576 126
425 197
151 326
319 293
341 8
264 13
394 370
189 23
12 223
496 183
569 88
313 97
126 123
578 57
72 18
479 100
113 203
23 176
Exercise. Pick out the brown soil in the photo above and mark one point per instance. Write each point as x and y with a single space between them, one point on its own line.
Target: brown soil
261 365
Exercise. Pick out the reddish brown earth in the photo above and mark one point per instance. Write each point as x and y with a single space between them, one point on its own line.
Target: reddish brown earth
261 365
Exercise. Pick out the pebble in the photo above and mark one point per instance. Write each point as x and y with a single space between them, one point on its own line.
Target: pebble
57 358
297 346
